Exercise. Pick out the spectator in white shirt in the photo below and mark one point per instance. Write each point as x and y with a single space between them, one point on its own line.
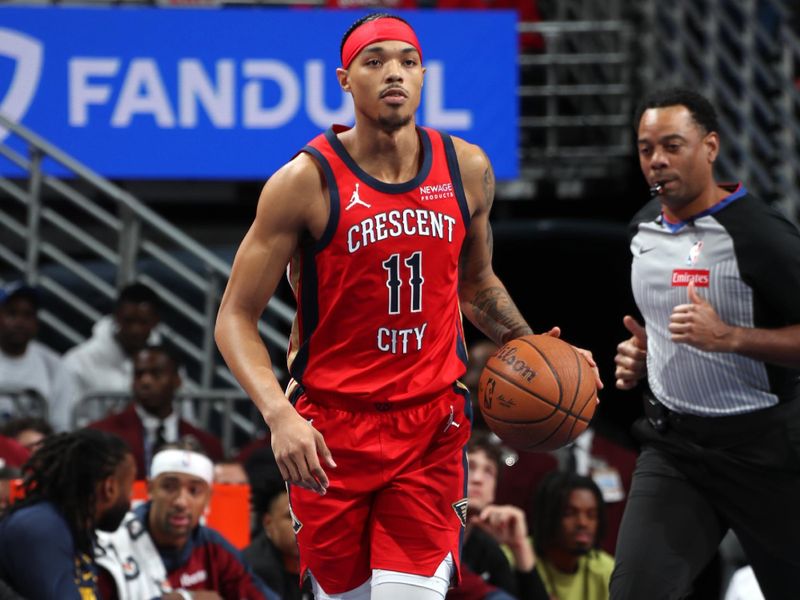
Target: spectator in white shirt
104 362
28 368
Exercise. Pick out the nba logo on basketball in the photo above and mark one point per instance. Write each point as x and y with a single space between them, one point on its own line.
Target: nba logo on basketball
488 393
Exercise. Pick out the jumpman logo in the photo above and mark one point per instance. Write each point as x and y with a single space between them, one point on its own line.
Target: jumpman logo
451 422
355 199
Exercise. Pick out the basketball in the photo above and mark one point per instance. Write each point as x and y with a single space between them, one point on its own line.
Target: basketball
537 393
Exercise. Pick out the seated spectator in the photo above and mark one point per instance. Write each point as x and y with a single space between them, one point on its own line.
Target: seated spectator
30 432
75 483
473 587
230 472
28 365
7 476
161 550
273 552
489 527
568 526
150 420
611 466
104 362
12 453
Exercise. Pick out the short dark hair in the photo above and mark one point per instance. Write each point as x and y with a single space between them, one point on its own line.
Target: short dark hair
701 109
187 443
549 504
138 293
16 426
269 486
489 444
65 471
367 19
167 350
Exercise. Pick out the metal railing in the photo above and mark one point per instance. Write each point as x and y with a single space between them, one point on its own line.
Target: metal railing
53 227
745 57
227 413
575 102
22 402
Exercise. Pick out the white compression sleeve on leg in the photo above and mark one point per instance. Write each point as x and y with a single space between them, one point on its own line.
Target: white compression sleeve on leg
393 585
362 592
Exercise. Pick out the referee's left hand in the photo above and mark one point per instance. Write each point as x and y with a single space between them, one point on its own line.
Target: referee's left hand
698 325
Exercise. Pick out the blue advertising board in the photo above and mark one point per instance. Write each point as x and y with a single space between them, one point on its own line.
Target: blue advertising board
233 93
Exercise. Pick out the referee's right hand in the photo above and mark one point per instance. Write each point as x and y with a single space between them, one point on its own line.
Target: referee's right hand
631 358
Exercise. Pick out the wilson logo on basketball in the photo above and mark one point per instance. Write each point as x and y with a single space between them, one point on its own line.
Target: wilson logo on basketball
509 356
682 277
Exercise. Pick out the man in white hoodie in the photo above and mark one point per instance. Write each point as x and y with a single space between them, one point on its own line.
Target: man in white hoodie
104 362
26 365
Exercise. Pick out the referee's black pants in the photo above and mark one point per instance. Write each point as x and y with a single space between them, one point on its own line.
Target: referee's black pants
695 478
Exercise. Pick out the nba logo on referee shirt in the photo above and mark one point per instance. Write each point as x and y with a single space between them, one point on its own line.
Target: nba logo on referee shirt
694 253
27 52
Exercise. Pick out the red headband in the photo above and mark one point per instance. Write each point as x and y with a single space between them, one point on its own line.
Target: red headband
378 30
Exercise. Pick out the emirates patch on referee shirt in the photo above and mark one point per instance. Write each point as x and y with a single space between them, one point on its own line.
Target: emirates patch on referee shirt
682 277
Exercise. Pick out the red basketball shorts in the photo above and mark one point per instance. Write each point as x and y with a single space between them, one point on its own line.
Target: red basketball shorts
396 500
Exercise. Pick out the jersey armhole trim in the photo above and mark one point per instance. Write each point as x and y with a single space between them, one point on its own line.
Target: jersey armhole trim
333 192
455 176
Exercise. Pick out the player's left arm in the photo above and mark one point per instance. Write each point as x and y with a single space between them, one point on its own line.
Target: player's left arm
484 299
697 324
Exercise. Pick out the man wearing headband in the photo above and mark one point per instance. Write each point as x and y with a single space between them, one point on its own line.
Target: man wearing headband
385 231
161 550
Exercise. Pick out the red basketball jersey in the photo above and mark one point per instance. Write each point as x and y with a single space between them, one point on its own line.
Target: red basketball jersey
378 315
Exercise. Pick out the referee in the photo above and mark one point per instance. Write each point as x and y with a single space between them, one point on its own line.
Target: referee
716 276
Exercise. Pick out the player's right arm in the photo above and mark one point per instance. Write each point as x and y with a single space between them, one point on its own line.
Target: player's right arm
292 202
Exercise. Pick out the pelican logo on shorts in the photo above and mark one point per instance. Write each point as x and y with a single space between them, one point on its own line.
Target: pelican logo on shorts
27 52
356 199
296 524
461 511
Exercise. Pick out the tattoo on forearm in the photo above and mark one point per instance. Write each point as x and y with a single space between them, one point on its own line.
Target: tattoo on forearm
488 185
488 196
497 316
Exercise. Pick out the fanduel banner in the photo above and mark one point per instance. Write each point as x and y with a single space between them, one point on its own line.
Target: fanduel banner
233 93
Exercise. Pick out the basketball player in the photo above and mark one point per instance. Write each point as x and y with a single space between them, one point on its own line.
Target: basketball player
716 275
385 228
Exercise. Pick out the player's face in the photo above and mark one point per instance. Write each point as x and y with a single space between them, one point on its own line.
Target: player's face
110 517
579 522
676 153
30 439
134 323
155 380
385 80
278 526
482 482
178 502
